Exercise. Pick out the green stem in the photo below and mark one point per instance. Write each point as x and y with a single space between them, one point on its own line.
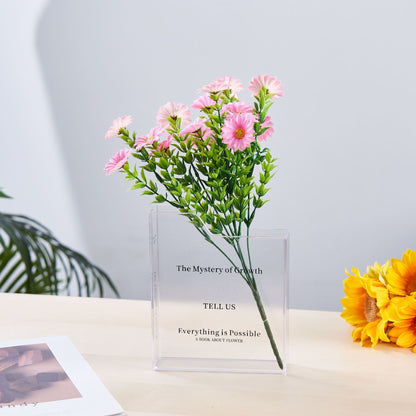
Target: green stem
150 189
250 280
200 181
266 324
240 255
248 249
207 237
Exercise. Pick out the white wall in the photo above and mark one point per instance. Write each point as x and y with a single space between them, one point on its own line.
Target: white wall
345 131
32 166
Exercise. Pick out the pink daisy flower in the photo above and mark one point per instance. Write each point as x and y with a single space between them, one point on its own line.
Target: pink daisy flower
271 84
175 111
224 83
239 107
238 131
213 87
232 84
153 136
165 144
118 123
198 129
118 160
203 102
269 132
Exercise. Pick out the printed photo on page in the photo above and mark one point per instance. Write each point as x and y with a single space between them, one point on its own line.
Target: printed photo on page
48 376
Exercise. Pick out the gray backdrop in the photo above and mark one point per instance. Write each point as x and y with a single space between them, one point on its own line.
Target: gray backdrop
345 130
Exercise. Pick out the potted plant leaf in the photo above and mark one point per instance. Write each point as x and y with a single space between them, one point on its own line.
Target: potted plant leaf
33 260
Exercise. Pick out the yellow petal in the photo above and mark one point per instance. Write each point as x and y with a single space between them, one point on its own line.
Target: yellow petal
391 312
354 318
411 300
370 330
406 339
353 302
356 334
395 332
406 323
396 285
383 298
400 267
381 330
352 289
408 256
404 309
378 290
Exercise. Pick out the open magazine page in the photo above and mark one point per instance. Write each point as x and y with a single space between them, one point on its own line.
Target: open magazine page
48 376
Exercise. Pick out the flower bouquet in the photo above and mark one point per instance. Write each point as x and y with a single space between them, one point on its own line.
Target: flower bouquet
213 170
381 304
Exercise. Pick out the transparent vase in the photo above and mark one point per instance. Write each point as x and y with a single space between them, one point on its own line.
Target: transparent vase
218 305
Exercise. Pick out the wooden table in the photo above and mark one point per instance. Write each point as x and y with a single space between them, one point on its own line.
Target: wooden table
328 374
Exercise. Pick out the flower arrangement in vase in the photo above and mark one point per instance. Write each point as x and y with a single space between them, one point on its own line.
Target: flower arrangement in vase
213 170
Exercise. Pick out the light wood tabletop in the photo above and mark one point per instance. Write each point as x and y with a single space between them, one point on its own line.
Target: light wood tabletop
327 373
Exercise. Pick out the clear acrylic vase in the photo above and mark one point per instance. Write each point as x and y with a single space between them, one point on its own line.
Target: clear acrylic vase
205 315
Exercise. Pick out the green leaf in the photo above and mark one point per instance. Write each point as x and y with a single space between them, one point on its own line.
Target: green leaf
246 191
261 100
188 196
150 167
260 190
32 260
142 174
135 171
163 163
166 175
267 106
160 198
229 219
223 192
217 228
258 203
188 157
137 185
3 195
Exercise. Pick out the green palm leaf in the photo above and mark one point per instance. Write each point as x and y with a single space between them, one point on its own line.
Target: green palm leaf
32 260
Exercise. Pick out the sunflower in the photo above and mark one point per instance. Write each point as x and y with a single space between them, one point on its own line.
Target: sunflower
401 277
403 316
365 296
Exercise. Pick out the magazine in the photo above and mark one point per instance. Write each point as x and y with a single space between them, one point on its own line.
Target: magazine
48 376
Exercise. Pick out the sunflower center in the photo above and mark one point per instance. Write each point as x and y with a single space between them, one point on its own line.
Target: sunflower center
239 133
370 308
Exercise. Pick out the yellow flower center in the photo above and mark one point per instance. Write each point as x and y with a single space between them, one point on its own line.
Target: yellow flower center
239 133
370 308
